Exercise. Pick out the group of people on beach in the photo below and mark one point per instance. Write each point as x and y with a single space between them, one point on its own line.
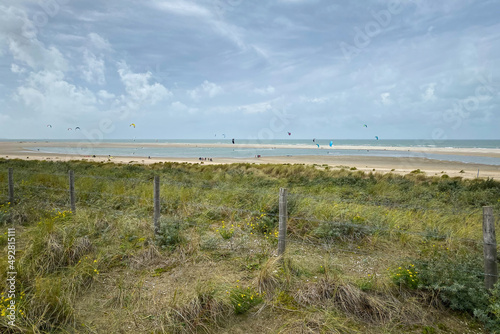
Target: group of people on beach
205 159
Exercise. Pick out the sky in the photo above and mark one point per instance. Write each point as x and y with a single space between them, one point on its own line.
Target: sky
201 69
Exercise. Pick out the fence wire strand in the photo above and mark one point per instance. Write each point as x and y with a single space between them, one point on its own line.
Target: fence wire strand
292 195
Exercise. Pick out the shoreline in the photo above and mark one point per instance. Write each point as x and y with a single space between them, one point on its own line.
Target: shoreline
431 167
483 152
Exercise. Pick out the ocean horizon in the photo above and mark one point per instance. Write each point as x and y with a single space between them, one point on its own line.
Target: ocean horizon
448 143
375 148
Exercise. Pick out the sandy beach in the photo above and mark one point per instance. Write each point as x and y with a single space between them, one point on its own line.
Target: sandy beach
27 150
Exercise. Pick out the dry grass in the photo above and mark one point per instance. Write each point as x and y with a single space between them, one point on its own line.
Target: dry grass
143 288
352 301
147 257
268 279
203 314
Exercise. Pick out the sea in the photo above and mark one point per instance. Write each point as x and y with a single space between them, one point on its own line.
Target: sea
278 149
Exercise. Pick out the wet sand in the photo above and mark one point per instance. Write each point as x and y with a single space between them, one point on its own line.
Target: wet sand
27 151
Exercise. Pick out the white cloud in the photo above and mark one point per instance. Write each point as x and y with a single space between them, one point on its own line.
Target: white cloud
19 34
178 107
182 7
190 9
429 93
317 100
269 90
105 95
98 42
255 108
93 68
47 92
206 89
139 89
17 69
386 99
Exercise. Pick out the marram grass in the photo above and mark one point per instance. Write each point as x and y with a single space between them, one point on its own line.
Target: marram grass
213 267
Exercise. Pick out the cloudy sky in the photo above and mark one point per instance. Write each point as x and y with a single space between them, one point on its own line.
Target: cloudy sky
200 68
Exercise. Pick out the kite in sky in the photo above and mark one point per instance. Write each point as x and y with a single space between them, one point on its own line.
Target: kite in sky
77 128
70 129
49 126
132 125
331 143
376 137
365 125
317 145
289 133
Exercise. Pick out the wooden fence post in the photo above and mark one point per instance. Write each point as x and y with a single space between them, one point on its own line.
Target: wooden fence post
11 186
72 197
490 248
283 216
156 218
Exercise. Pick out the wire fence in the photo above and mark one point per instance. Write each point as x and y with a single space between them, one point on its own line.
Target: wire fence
92 188
386 203
61 185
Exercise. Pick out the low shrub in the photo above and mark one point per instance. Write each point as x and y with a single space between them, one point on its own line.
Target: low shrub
169 236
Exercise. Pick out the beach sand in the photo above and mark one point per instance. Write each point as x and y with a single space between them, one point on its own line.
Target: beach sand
26 150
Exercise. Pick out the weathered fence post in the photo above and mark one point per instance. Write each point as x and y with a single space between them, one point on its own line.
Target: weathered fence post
156 219
72 197
11 186
490 248
282 221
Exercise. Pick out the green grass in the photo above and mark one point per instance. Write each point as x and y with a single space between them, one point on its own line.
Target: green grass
102 269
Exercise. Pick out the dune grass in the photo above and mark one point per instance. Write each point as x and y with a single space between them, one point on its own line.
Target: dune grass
366 252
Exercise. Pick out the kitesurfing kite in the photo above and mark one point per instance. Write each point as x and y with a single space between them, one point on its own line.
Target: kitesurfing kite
233 140
317 145
224 135
289 133
365 125
77 128
49 126
70 129
132 125
376 137
331 143
314 140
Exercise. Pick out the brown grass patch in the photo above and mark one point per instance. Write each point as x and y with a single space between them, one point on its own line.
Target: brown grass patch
352 301
267 279
203 314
